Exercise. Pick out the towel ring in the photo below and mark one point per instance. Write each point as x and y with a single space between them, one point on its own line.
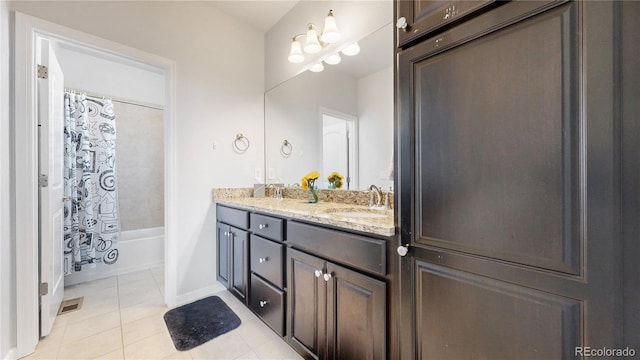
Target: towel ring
286 148
241 143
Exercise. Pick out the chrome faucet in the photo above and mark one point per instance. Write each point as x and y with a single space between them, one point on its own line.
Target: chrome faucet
277 191
375 191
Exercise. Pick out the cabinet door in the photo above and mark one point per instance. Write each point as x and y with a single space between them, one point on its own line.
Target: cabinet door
239 262
356 315
222 254
426 16
508 191
306 314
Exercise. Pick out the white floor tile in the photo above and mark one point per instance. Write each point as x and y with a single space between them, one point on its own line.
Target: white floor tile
157 346
142 310
122 318
143 328
145 275
227 346
93 346
91 326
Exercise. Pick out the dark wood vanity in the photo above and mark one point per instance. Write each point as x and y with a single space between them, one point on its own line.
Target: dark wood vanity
325 290
508 178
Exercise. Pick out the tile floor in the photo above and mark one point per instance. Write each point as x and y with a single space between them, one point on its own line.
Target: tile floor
122 318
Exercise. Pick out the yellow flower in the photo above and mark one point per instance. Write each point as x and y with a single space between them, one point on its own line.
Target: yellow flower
309 179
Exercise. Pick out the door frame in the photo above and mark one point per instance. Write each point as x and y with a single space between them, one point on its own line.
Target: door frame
27 30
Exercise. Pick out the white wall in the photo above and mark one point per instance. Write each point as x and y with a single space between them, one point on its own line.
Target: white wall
111 76
7 263
355 20
219 92
375 113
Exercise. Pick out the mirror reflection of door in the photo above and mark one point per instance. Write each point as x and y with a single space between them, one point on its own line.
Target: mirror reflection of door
339 148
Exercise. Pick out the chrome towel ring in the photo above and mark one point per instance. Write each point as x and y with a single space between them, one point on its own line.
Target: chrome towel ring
286 148
241 143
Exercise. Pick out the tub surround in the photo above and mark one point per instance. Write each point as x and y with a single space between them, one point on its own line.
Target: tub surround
294 205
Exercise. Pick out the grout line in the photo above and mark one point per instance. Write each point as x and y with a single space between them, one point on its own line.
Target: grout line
120 316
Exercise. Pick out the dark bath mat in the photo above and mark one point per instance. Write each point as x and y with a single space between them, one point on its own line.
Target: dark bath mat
194 324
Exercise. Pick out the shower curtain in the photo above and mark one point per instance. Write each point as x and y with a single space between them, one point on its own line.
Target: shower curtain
91 224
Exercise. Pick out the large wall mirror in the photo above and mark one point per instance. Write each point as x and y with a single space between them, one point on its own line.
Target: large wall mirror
340 119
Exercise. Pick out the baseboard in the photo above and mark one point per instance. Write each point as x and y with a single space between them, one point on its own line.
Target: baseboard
12 354
199 294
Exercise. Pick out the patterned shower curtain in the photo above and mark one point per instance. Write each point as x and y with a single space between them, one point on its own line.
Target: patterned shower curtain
91 225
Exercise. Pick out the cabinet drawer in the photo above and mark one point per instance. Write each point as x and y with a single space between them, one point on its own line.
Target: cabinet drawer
268 303
266 260
358 251
235 217
267 226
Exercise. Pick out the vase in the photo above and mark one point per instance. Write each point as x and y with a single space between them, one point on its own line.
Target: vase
332 185
313 194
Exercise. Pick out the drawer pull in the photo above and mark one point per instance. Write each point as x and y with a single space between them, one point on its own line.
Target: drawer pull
318 273
263 226
263 303
263 260
327 277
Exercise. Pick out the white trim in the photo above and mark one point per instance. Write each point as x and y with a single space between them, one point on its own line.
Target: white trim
199 294
26 30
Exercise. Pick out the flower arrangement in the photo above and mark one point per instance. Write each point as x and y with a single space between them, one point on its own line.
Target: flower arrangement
335 180
308 183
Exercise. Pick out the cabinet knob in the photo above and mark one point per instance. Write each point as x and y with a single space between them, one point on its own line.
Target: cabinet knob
403 250
263 260
226 233
318 273
263 226
327 277
402 23
263 303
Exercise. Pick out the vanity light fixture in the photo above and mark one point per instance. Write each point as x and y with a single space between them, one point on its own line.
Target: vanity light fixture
352 49
314 43
296 56
333 59
312 46
330 33
317 67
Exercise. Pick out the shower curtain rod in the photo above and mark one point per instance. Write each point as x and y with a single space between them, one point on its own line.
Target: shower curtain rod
116 99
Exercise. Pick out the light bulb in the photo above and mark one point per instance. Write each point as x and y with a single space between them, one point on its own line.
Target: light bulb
352 49
330 33
333 59
296 56
312 45
318 67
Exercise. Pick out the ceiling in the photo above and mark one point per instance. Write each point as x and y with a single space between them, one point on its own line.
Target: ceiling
261 14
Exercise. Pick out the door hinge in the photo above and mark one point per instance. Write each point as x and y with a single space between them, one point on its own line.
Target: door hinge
43 72
43 181
44 288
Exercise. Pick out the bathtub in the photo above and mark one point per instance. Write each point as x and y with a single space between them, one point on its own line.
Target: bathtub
138 250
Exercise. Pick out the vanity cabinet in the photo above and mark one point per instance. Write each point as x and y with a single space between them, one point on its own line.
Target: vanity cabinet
232 246
267 297
334 312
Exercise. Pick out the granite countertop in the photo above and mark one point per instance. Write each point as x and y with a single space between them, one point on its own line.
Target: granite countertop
322 212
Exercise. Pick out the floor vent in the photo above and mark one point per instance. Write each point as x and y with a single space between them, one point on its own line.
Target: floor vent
70 305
